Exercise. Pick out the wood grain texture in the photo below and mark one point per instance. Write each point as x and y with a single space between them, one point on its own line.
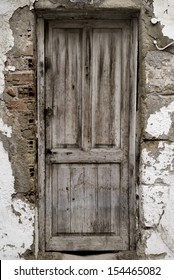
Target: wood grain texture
66 59
86 243
133 150
82 196
41 131
106 87
88 85
90 156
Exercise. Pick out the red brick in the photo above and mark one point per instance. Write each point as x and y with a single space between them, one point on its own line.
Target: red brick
17 105
20 78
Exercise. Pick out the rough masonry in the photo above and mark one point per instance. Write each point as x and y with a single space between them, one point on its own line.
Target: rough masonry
18 127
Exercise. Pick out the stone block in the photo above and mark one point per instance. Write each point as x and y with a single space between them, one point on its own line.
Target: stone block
22 24
21 63
20 78
75 4
159 73
17 106
28 133
153 200
159 122
11 91
157 161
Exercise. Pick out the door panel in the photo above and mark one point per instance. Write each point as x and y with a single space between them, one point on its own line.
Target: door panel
66 57
85 198
87 136
106 87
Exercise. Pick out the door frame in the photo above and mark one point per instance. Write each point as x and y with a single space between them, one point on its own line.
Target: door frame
41 71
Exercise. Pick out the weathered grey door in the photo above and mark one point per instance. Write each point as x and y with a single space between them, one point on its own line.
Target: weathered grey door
87 135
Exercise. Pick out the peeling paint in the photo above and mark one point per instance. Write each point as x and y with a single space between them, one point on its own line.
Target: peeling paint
156 245
154 201
160 122
157 198
5 129
15 236
157 163
16 230
164 11
158 167
156 187
7 8
10 68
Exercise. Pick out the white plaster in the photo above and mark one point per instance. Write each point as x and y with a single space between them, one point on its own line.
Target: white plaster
16 216
156 246
160 122
10 68
167 224
157 198
155 168
164 11
154 200
7 8
36 233
5 129
16 229
157 165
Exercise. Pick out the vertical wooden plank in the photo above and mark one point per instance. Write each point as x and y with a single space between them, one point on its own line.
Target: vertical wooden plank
67 86
106 87
86 89
59 86
54 198
73 86
104 199
47 128
118 89
77 198
48 84
115 198
124 199
125 82
41 130
64 203
90 185
132 137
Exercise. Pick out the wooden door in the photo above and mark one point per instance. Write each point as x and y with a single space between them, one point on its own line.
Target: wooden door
87 135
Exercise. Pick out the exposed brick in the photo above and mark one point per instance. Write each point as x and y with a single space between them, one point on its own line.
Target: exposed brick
17 105
21 63
26 91
20 78
160 80
27 133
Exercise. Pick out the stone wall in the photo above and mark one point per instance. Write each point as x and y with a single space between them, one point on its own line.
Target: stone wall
156 186
18 128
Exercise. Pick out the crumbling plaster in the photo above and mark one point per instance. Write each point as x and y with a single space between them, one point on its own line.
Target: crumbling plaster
156 188
16 215
157 155
164 10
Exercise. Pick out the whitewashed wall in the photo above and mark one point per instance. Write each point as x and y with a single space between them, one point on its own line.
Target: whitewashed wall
16 215
156 189
157 158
